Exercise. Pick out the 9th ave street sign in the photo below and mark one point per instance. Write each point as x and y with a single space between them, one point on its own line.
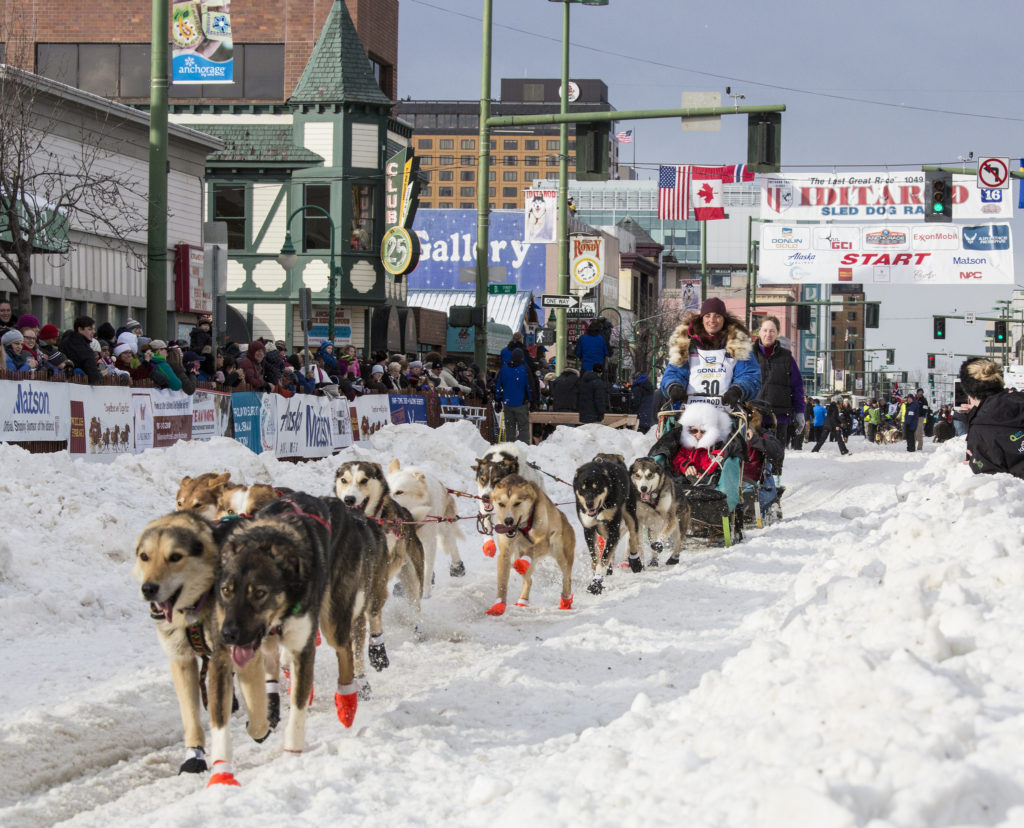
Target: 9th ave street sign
558 300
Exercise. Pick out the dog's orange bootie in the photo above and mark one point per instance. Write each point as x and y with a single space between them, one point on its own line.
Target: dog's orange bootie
497 609
490 548
522 564
222 776
565 603
346 707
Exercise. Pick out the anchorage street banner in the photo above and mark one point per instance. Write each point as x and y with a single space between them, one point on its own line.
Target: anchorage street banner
201 41
926 254
873 196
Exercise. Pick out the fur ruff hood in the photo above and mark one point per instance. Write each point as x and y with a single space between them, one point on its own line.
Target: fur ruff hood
716 424
737 340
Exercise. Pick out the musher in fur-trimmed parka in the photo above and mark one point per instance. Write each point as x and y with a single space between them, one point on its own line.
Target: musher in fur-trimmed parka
711 359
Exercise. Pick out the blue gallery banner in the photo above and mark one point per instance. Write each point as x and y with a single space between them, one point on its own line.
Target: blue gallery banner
448 251
245 411
407 408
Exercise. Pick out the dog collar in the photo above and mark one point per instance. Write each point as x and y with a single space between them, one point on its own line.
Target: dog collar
198 606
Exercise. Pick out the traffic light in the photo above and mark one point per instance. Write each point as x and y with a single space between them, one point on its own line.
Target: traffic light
803 317
1000 332
938 196
764 141
871 314
931 380
890 356
931 360
938 327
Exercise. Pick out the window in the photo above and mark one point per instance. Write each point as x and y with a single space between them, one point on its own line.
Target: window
468 143
511 145
509 192
494 144
425 143
531 145
851 315
510 161
467 161
98 70
467 192
262 73
316 226
445 192
508 176
551 145
490 192
447 121
362 235
533 92
466 205
425 190
446 143
445 205
425 120
531 161
467 175
492 175
509 205
446 175
446 160
426 161
229 206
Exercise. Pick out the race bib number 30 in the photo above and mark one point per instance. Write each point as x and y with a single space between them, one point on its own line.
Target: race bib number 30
710 375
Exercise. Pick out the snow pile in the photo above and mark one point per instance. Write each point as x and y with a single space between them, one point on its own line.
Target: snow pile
858 664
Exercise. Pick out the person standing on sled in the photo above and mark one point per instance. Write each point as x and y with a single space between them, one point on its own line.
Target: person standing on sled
711 359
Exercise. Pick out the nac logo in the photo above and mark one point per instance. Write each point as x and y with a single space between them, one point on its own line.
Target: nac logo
970 274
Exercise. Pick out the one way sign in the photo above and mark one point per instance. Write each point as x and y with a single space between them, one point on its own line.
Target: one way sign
558 300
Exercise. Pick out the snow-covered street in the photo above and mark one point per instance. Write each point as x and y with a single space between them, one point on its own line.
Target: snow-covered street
859 664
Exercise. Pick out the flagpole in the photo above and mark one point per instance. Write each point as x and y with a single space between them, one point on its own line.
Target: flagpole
634 154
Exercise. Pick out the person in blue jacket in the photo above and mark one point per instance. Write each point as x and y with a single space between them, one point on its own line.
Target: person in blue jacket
913 412
819 420
592 347
512 390
711 359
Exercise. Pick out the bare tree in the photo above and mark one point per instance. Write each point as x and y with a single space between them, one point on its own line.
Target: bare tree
655 322
56 176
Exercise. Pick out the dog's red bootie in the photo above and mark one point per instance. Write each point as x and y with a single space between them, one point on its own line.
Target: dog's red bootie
222 775
490 548
521 565
346 704
497 609
565 603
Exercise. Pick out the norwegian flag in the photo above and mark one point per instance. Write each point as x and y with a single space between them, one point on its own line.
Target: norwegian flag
736 173
706 193
674 193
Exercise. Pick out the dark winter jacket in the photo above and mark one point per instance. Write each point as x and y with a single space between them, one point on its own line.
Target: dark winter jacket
592 395
913 411
253 372
76 347
642 402
782 385
198 339
995 434
512 386
273 365
592 349
564 391
832 418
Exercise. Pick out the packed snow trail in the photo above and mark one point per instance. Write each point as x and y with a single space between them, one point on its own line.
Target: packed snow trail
831 670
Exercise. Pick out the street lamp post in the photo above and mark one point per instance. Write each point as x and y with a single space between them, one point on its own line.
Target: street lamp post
563 183
289 258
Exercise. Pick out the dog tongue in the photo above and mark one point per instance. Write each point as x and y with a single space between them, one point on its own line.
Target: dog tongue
167 608
242 655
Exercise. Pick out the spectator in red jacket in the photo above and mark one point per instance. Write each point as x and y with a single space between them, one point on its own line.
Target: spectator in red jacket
252 367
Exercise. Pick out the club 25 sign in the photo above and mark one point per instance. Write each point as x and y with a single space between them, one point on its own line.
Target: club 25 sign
400 249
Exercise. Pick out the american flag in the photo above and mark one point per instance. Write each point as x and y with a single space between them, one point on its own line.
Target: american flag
624 137
674 193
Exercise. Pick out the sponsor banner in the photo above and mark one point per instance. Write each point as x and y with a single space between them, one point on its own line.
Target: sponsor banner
101 422
936 254
587 267
369 415
305 426
342 424
211 414
245 417
201 41
269 406
142 415
31 411
407 408
872 196
540 215
172 416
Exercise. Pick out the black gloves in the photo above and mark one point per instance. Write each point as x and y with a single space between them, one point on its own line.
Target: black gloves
732 396
676 392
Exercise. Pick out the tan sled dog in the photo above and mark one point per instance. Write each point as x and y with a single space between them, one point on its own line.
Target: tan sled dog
529 526
202 493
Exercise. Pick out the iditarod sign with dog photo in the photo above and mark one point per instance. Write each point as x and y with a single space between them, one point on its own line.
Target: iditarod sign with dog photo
101 422
540 216
33 411
903 254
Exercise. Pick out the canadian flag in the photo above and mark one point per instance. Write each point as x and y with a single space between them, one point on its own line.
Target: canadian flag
706 192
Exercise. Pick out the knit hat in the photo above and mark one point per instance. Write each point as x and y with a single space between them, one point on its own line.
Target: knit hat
518 357
713 305
132 324
281 345
157 344
26 320
377 369
123 348
95 345
49 332
11 337
256 345
416 364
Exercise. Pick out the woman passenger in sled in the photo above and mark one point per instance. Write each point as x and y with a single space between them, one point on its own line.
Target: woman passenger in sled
711 359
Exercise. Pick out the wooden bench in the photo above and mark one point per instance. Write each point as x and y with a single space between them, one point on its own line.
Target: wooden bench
558 418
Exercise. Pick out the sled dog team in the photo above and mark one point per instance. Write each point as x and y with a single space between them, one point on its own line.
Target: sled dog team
239 574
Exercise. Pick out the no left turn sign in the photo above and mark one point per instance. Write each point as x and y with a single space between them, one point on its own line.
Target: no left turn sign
993 173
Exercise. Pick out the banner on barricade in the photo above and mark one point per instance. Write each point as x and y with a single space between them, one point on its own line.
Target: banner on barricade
33 411
172 416
407 408
268 422
142 415
305 427
369 415
245 417
101 422
342 424
211 414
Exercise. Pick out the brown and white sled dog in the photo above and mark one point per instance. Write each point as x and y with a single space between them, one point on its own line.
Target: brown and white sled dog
424 496
362 486
606 505
529 526
236 500
302 561
176 559
659 508
202 493
499 461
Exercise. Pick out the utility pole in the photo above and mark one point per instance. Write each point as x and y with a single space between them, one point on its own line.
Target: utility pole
156 256
483 213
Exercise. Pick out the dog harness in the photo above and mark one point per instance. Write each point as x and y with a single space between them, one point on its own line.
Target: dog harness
300 513
511 531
